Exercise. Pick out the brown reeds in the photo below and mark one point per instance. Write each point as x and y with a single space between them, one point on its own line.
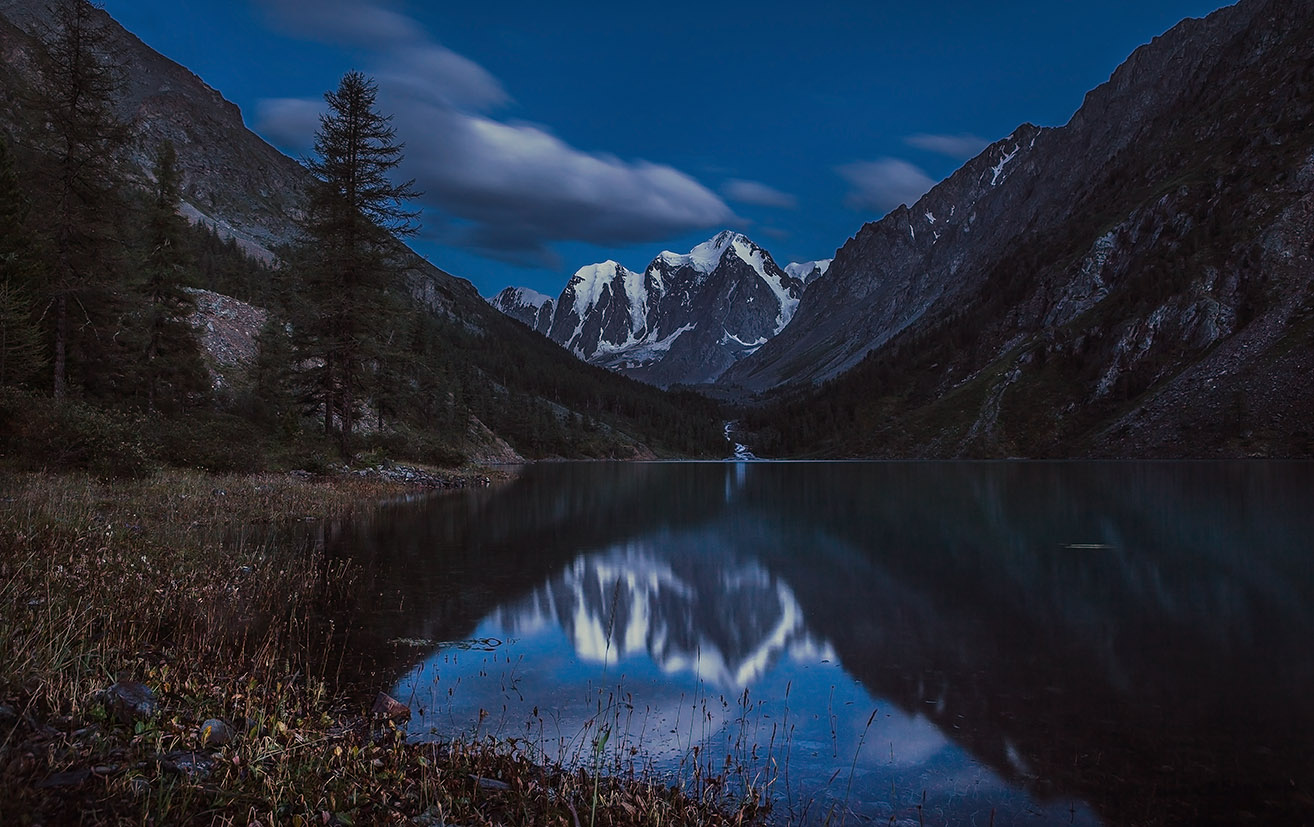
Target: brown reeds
189 584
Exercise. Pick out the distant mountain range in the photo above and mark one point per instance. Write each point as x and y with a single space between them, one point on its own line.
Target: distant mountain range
683 321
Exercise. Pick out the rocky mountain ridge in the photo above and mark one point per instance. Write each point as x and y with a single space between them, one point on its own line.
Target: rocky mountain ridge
1137 282
232 179
529 307
808 271
682 321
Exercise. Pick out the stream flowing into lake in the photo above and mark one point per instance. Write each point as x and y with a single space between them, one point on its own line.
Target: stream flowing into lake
928 643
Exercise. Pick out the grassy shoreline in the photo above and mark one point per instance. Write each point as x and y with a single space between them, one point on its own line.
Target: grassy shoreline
157 584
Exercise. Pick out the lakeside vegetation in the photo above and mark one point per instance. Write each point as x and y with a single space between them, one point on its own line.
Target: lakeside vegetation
173 584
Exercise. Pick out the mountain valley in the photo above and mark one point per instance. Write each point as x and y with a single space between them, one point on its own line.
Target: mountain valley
1134 283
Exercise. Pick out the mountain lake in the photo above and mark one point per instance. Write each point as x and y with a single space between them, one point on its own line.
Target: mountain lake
907 643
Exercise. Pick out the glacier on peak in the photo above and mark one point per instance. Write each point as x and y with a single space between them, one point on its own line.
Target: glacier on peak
589 282
526 306
706 256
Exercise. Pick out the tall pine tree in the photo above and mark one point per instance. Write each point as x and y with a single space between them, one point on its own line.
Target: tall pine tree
21 352
174 372
78 178
353 219
272 394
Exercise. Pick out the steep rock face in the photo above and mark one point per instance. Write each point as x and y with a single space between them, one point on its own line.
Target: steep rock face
685 318
894 270
1135 283
1029 184
602 309
232 180
526 306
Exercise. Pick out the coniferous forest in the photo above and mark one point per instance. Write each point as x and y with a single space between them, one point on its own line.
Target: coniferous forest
101 355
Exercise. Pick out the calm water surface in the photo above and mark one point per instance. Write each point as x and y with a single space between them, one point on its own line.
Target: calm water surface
938 643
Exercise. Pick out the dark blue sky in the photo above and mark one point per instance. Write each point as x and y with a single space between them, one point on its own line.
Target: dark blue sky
547 136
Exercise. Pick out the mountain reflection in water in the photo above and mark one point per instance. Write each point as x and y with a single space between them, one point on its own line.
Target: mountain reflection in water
1047 643
722 618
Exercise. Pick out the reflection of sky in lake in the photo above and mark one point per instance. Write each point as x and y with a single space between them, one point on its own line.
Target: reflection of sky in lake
686 648
1131 636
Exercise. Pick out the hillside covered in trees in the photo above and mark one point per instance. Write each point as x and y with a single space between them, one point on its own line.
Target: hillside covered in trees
101 364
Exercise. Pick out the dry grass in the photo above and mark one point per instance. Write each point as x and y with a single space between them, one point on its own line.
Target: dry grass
175 582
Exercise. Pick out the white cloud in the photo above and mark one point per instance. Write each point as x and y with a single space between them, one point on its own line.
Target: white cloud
962 146
290 122
883 184
522 180
514 188
428 71
755 192
353 22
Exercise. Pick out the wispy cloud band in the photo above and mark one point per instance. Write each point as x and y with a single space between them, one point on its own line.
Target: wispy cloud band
883 184
514 188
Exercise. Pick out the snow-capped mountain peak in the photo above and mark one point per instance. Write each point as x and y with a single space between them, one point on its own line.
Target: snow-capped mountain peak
683 320
706 256
589 283
521 295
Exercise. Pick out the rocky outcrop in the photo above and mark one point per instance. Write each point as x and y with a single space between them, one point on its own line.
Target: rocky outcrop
228 331
526 306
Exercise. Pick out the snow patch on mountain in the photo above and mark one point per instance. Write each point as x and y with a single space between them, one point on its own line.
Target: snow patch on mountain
808 271
590 282
998 169
641 354
753 255
706 256
729 337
